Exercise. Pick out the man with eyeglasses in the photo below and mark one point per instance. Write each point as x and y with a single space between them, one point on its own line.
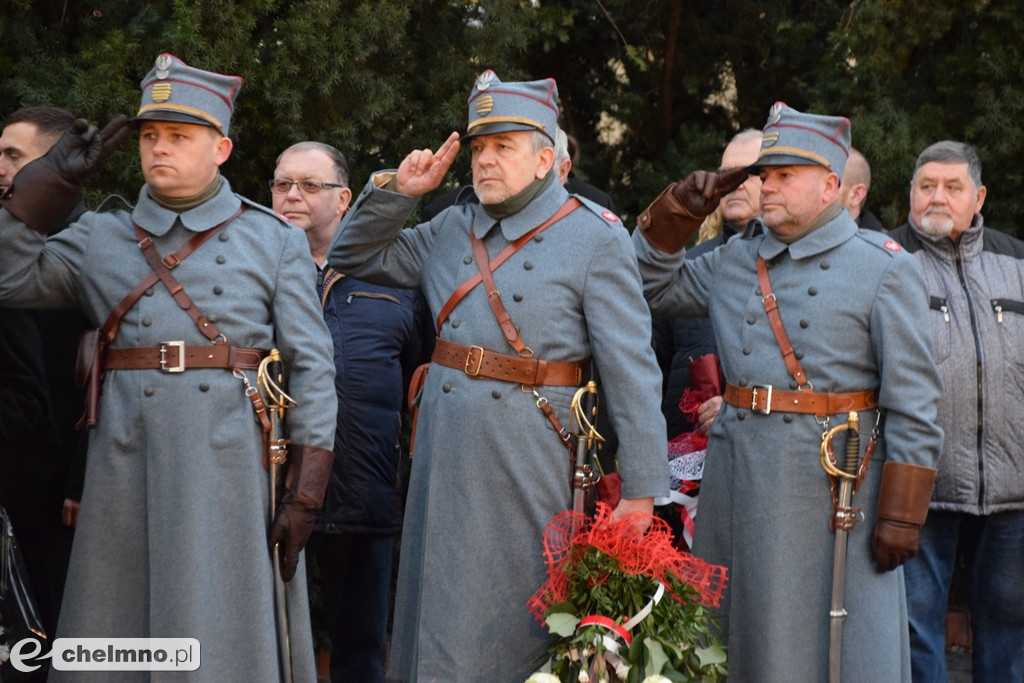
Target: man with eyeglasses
172 538
380 335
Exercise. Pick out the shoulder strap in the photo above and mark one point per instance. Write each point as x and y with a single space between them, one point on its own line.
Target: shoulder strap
109 329
771 307
331 276
162 268
568 207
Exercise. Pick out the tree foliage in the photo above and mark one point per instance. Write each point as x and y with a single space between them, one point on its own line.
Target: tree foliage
651 88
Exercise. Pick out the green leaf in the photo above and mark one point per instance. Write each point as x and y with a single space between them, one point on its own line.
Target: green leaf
562 624
656 657
713 654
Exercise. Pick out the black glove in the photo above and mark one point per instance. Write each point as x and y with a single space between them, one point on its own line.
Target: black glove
903 501
672 218
309 468
46 189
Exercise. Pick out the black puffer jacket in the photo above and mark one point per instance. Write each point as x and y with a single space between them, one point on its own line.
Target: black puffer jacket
380 335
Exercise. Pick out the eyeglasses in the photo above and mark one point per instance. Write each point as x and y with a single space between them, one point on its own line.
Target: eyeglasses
305 186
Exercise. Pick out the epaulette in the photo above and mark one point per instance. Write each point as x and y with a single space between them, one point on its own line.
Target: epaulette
606 215
881 241
265 209
109 204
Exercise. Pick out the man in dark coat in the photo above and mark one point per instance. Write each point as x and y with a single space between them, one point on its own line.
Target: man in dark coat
380 335
41 453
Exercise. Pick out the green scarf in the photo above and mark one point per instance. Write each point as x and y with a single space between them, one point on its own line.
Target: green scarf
517 202
183 204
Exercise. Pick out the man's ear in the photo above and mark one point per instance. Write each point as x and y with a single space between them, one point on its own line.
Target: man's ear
546 159
224 147
343 201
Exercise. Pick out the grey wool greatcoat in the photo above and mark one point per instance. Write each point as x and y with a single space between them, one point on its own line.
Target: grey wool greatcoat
488 471
854 307
172 536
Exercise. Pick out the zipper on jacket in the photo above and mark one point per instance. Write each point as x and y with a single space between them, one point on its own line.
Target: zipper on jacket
978 374
938 304
1008 305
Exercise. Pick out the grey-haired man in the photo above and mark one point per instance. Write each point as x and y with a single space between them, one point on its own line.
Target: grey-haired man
489 470
975 280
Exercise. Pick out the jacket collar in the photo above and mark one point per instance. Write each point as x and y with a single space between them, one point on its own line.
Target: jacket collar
533 214
157 220
830 235
969 245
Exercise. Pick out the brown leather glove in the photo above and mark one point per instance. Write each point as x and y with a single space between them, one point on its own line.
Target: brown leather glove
903 501
672 218
309 469
46 189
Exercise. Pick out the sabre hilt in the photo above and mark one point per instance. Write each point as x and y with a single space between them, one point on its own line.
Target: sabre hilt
852 444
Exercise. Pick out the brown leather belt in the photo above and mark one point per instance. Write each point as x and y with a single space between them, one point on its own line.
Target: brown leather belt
765 399
476 361
174 356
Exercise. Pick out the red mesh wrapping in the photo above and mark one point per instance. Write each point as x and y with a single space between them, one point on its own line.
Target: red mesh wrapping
654 555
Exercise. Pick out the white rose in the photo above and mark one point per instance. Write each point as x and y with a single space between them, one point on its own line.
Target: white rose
539 677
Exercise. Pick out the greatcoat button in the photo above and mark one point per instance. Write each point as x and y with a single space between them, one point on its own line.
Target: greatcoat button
825 265
204 387
747 351
517 297
223 236
456 323
467 260
218 290
787 418
446 388
751 319
221 260
528 265
813 291
149 392
741 415
799 355
495 394
146 322
804 324
744 382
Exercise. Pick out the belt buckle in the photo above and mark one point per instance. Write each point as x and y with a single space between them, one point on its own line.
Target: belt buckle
475 372
767 400
171 345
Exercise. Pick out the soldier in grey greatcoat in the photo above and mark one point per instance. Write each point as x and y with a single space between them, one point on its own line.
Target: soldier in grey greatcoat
857 337
172 539
488 469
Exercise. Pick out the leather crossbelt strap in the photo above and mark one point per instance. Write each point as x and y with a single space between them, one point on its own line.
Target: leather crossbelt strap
765 399
476 361
176 357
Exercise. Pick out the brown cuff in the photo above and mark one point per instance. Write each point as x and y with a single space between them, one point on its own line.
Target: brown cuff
309 469
40 198
667 224
905 493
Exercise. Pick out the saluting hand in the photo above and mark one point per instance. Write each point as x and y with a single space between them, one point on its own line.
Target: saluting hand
423 170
